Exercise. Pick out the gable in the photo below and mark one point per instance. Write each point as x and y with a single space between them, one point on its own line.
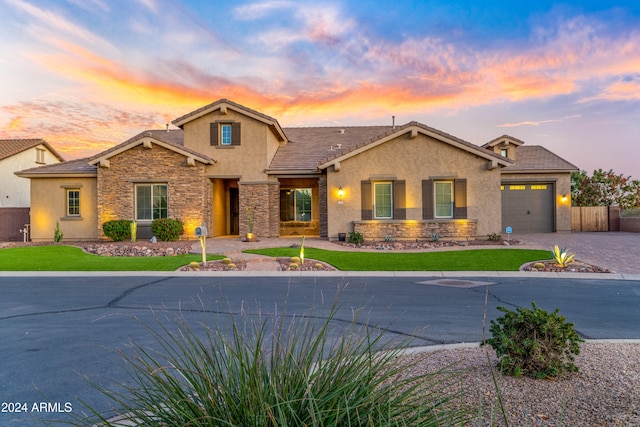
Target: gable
224 106
411 131
148 140
11 147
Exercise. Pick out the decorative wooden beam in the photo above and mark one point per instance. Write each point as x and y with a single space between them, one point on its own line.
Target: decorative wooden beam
105 163
147 143
191 161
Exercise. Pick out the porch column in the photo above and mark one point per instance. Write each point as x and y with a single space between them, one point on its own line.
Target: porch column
262 199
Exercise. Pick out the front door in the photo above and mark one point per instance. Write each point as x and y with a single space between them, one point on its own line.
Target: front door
234 211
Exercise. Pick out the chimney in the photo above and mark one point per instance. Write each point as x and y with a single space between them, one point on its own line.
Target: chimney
167 127
393 122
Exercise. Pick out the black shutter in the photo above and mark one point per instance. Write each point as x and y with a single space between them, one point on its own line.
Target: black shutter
366 200
427 199
399 200
235 133
460 199
213 133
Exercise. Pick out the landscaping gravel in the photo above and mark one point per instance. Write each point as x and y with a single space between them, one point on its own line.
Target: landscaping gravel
605 391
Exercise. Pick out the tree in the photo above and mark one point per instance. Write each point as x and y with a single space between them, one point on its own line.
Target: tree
604 189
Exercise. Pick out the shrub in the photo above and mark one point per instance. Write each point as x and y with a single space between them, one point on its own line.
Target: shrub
562 257
231 266
167 229
194 265
277 371
534 343
295 259
539 266
226 261
117 230
293 266
355 237
57 233
495 237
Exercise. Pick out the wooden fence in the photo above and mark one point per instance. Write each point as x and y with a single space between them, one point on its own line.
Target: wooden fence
590 218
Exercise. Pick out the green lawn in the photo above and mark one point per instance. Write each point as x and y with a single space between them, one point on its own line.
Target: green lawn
462 260
70 258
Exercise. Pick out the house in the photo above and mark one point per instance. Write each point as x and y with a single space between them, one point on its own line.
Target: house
227 163
16 155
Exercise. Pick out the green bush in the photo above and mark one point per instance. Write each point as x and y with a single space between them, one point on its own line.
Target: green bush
277 371
167 229
495 237
117 230
355 237
57 233
534 343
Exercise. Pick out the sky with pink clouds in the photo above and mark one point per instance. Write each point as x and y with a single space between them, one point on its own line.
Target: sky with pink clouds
88 74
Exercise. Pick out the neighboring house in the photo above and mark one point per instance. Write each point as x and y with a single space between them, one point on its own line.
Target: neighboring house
17 155
227 162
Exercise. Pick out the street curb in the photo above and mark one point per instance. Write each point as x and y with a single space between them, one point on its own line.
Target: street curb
343 274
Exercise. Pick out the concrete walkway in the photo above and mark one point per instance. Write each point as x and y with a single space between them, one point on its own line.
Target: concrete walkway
619 252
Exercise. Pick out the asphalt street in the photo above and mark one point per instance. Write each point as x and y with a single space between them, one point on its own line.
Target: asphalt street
57 333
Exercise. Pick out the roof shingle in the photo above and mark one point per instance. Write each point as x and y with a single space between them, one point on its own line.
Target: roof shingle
534 158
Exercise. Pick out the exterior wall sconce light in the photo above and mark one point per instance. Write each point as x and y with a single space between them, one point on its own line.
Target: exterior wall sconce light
564 198
340 196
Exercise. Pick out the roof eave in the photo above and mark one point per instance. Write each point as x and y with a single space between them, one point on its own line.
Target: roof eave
538 171
280 172
58 175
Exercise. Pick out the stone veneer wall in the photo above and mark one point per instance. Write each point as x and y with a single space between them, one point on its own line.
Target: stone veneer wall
264 199
322 201
416 229
187 186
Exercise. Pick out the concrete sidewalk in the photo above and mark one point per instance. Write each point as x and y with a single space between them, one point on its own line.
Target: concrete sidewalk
619 252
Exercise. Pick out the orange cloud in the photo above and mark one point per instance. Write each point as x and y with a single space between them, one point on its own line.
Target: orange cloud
16 125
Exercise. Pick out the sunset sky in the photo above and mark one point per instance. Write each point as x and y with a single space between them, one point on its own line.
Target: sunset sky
88 74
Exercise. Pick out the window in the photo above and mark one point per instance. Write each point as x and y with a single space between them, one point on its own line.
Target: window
225 134
443 199
73 202
40 155
539 187
517 187
295 204
151 202
504 152
383 200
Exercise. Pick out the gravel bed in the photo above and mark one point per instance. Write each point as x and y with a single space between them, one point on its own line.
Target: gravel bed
605 391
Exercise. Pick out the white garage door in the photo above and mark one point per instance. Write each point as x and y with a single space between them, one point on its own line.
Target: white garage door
528 207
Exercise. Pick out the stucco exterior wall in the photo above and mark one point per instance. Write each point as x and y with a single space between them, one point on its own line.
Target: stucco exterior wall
249 159
14 190
48 205
189 192
414 160
562 184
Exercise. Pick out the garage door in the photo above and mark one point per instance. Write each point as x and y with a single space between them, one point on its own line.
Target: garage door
528 208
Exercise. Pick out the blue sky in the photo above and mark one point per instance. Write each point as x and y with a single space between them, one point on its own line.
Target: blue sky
88 74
